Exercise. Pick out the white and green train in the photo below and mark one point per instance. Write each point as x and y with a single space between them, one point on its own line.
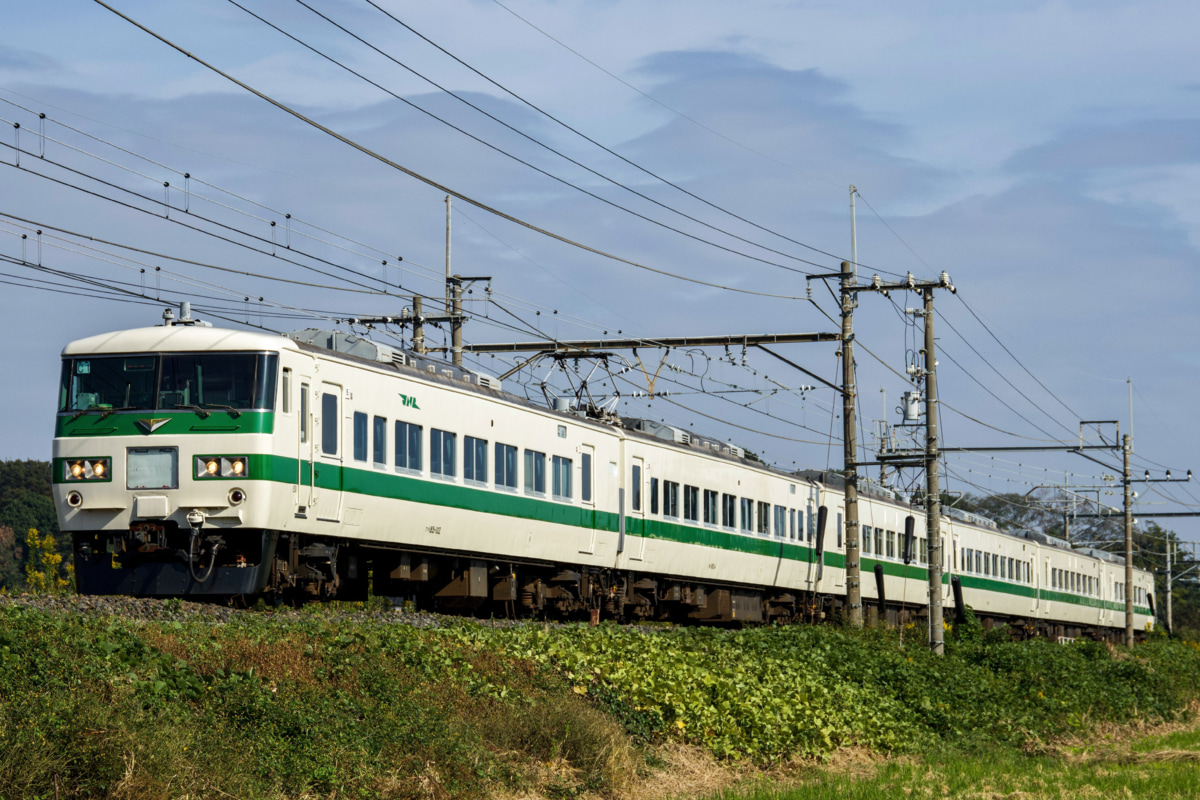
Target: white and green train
196 461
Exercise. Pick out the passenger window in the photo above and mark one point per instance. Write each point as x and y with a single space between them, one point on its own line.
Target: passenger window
408 446
747 514
729 511
360 436
710 507
562 478
379 441
866 538
654 495
286 405
670 499
535 472
474 459
506 466
691 503
441 453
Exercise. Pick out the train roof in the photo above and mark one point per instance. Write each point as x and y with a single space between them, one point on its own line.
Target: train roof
171 338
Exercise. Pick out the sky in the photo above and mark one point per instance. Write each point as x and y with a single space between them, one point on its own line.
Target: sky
1044 154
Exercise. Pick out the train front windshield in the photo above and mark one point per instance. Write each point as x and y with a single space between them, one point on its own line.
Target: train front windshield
243 381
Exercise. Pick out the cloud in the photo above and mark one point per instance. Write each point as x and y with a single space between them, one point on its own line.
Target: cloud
1145 143
25 61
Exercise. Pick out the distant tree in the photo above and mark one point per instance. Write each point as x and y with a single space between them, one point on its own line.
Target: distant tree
12 561
28 476
23 510
25 502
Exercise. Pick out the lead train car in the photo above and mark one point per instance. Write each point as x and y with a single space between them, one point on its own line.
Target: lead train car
195 461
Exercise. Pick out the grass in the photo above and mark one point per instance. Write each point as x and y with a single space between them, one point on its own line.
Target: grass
1162 767
323 705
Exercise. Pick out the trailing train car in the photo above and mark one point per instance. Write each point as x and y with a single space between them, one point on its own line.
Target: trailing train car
196 461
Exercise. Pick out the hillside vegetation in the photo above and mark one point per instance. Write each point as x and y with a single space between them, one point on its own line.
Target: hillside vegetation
180 701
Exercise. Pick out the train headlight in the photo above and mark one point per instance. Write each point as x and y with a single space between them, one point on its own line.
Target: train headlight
222 467
87 469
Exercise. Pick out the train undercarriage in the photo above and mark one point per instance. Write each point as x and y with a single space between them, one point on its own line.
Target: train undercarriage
166 560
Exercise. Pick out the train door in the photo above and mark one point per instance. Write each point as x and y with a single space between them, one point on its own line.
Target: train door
587 494
327 442
638 501
304 446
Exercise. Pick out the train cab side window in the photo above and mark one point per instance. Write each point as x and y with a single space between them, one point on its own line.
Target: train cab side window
792 524
506 466
839 531
379 441
286 405
329 424
562 478
636 486
441 453
474 459
408 446
535 472
303 413
654 495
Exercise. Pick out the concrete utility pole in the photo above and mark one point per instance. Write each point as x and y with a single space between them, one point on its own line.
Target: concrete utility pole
933 495
1126 450
928 456
456 320
1170 619
418 336
850 446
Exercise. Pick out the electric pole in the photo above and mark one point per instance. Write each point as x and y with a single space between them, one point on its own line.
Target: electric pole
1126 449
933 495
850 445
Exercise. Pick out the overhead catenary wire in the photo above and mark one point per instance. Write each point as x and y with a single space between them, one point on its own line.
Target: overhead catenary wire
166 209
521 161
430 182
592 141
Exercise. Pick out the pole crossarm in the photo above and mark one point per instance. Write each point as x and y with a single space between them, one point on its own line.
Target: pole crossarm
1140 514
649 342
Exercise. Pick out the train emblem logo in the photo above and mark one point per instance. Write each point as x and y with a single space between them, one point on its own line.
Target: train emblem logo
409 401
151 425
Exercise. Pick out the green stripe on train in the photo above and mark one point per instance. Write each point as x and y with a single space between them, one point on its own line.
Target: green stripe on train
373 483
